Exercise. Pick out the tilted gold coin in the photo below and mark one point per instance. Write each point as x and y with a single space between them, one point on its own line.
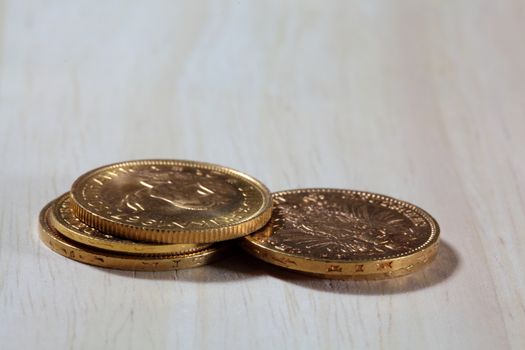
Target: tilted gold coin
171 201
139 262
63 219
345 234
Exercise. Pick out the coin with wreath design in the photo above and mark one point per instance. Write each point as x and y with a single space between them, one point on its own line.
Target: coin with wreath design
345 233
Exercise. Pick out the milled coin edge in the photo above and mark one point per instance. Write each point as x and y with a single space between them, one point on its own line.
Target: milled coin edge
57 221
137 262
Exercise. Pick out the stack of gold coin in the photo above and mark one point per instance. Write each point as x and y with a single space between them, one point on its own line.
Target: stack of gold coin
169 214
154 214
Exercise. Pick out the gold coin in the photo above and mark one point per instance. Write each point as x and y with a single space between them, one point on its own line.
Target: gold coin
139 262
345 234
171 201
63 219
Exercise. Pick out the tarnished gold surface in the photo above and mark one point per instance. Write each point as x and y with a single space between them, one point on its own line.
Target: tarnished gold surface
342 233
63 219
170 201
98 257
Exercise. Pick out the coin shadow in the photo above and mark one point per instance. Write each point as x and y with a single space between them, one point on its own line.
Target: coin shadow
442 268
235 267
239 265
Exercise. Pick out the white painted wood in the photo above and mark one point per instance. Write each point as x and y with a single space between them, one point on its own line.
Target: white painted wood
424 101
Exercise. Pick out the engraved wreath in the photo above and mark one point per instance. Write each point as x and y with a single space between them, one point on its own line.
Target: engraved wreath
348 229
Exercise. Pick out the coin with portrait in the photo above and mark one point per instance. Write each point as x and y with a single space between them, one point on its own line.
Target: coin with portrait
171 201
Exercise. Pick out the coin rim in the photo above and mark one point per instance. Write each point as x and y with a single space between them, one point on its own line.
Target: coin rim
135 262
319 266
56 219
162 235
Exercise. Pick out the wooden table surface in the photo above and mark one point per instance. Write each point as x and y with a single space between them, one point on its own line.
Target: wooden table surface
423 101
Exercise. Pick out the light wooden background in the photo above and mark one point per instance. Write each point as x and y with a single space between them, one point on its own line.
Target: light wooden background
421 100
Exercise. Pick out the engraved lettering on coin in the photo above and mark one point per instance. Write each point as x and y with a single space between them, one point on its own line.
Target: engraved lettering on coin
343 226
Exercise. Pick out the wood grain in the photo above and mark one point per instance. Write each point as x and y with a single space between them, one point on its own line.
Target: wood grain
423 101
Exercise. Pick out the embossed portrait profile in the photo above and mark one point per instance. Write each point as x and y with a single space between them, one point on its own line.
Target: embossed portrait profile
177 190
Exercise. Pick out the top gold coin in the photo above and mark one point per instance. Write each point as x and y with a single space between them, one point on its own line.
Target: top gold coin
171 201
